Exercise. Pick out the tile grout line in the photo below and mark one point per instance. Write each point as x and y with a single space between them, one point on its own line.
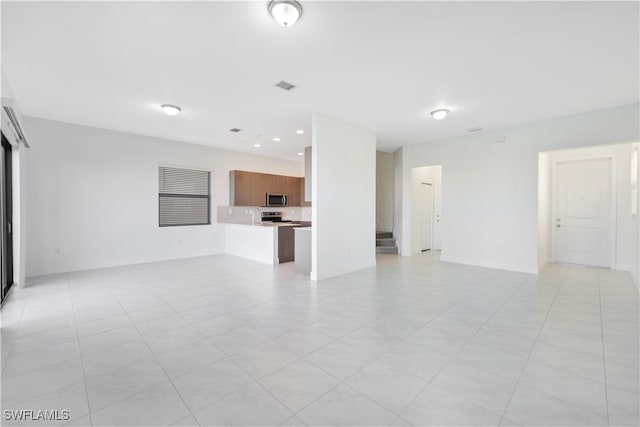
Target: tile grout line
335 339
84 374
228 357
163 370
604 360
18 324
517 382
376 358
462 348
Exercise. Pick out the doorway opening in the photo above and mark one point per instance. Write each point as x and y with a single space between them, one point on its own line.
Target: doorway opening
584 215
426 212
6 209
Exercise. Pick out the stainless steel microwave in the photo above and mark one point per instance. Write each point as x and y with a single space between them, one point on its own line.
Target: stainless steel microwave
276 199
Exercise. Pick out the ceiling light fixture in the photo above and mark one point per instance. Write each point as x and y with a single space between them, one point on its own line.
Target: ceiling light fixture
276 139
170 110
285 12
256 145
440 114
300 154
300 132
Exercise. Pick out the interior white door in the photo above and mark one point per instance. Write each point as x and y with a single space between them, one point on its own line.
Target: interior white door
583 212
437 217
426 215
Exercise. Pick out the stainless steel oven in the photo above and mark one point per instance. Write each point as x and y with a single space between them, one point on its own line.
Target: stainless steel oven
276 199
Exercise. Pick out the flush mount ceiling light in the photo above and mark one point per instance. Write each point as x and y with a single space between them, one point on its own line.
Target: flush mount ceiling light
256 145
300 132
440 114
285 12
170 110
300 154
276 139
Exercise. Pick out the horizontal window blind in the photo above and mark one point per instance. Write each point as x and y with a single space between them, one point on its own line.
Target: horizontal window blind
183 196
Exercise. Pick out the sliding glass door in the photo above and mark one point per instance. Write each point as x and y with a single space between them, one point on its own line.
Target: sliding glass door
6 239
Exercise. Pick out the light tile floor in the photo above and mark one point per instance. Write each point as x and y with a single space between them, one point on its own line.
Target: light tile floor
225 341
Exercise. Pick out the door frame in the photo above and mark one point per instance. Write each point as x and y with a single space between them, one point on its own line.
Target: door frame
613 203
6 216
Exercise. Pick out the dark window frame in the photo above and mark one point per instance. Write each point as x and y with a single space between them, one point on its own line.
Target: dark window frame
188 196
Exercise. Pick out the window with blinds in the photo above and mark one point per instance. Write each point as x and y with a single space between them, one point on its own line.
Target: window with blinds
183 197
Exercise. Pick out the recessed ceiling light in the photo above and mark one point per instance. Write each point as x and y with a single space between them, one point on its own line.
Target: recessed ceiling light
300 132
256 145
276 139
170 110
440 114
285 12
300 154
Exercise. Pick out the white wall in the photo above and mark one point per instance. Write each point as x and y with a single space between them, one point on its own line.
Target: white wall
634 243
344 197
620 155
544 210
93 196
398 191
490 189
384 191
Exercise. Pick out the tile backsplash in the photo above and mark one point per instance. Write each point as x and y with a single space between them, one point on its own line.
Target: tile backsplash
243 214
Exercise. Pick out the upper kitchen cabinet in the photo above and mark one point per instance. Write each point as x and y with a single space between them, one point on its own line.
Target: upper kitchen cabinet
261 184
289 185
251 188
240 188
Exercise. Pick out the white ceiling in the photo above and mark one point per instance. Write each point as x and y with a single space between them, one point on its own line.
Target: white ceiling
384 65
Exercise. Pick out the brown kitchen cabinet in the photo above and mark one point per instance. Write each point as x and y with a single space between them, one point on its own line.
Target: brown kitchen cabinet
240 188
261 184
250 188
290 186
286 244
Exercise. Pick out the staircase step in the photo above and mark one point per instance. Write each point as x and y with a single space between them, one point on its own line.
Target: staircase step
386 249
385 242
383 234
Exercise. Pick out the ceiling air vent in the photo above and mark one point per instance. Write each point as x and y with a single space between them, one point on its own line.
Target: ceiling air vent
235 130
284 85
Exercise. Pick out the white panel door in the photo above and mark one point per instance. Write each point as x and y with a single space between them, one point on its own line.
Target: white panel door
426 215
437 213
583 212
